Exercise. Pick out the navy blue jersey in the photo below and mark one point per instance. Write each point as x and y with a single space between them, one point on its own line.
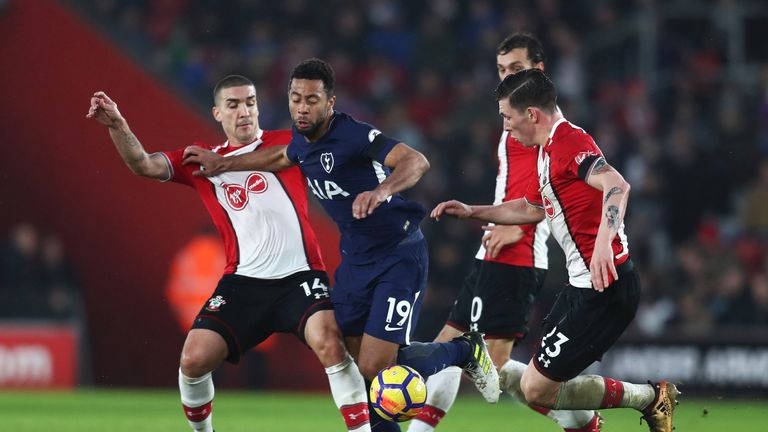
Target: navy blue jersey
346 161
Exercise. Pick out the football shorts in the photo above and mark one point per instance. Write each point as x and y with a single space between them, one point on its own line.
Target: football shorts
245 311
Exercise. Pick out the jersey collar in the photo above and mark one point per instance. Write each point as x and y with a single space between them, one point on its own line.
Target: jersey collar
259 134
554 128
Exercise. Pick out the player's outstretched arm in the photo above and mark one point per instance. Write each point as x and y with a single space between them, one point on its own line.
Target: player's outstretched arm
615 190
104 110
515 212
407 164
269 159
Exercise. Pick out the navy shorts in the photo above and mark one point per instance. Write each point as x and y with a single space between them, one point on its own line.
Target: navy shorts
496 299
383 298
583 324
245 311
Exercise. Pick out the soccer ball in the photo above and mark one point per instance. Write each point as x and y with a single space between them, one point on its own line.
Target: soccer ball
398 393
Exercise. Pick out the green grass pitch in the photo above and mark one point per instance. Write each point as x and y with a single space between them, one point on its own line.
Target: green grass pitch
148 411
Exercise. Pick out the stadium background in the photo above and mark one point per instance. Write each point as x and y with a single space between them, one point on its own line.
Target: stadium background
675 94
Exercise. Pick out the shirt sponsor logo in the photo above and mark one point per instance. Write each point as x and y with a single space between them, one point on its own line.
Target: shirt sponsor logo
237 196
256 183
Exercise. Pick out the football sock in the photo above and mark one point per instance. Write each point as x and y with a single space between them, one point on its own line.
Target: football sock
594 391
442 388
378 424
350 395
509 379
197 400
430 358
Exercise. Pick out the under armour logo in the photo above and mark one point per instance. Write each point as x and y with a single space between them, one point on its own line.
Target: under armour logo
544 361
473 327
354 416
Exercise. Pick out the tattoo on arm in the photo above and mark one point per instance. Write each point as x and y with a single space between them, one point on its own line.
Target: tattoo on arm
131 139
601 166
614 191
612 214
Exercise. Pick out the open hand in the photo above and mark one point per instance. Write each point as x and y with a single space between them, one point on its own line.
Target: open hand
496 237
601 267
366 202
453 208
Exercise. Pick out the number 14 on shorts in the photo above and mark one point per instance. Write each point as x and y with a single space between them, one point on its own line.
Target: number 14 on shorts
318 289
553 349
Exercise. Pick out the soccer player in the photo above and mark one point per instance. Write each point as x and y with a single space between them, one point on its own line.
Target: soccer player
357 172
508 271
584 201
274 280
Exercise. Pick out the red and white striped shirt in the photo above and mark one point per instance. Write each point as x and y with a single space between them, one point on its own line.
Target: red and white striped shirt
261 216
573 208
517 169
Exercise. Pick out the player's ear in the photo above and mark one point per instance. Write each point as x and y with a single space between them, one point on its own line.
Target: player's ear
532 114
216 113
331 102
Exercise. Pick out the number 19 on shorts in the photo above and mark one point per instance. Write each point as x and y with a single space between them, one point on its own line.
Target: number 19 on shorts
398 313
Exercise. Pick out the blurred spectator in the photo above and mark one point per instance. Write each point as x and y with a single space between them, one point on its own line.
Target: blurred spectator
61 281
37 282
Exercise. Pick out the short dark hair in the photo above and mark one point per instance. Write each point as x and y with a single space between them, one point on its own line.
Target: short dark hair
231 81
528 88
523 40
315 69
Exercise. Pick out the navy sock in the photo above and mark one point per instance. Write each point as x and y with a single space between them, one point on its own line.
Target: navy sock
430 358
378 424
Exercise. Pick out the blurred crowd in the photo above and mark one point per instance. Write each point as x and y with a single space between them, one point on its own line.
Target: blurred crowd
37 280
677 104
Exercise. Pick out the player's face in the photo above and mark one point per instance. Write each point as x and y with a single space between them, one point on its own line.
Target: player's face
238 114
514 61
518 124
310 107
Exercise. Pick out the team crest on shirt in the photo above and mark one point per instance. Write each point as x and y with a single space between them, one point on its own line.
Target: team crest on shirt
215 303
326 160
238 196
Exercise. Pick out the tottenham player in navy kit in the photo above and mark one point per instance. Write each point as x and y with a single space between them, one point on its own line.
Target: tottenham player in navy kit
357 172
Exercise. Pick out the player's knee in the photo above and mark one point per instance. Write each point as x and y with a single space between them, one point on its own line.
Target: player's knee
329 350
536 394
370 366
322 335
197 362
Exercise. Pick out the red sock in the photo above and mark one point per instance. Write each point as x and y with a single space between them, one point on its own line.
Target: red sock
431 415
541 410
614 390
355 415
198 414
592 426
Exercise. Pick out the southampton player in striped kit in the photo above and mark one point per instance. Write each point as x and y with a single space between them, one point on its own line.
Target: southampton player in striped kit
357 172
274 280
509 269
584 201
